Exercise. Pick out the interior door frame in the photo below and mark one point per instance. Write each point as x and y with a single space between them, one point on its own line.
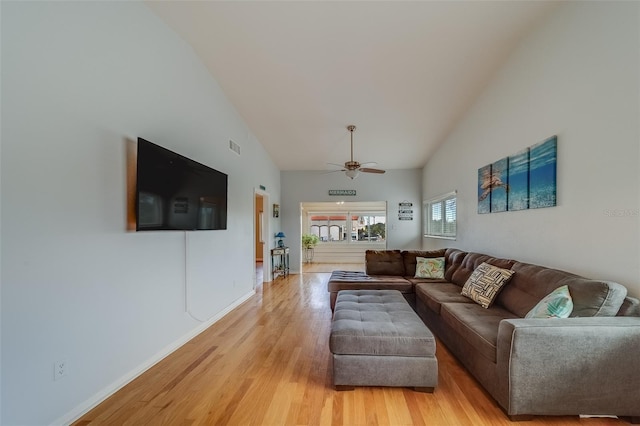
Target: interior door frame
266 231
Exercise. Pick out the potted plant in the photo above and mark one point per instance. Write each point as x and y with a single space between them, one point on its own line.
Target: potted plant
309 241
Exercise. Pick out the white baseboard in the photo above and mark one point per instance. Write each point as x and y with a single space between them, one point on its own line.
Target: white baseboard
96 399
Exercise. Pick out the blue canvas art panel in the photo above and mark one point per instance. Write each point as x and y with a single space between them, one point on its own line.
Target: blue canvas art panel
542 173
484 189
518 181
499 187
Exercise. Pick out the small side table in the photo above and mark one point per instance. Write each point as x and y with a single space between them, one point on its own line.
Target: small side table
280 261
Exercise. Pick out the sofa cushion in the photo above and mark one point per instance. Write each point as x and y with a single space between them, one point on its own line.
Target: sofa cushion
593 298
469 262
630 307
384 262
409 259
453 259
433 295
485 283
557 304
476 325
531 283
415 281
432 267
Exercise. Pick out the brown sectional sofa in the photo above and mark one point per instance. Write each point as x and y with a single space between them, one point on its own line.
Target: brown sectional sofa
588 363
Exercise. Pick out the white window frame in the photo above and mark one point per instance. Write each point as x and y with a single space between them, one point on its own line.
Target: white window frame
350 225
433 230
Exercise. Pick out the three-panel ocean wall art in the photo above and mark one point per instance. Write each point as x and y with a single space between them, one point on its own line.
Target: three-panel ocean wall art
525 180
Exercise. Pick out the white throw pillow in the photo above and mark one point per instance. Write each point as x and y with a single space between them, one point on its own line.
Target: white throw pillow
485 283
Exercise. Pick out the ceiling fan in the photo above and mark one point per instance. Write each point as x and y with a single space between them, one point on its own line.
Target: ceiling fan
352 168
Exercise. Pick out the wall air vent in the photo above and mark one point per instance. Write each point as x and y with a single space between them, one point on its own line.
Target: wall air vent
234 147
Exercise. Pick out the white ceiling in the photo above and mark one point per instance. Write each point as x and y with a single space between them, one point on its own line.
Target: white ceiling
404 73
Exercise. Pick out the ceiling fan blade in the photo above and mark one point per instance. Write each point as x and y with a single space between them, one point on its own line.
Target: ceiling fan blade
367 170
369 164
332 171
337 165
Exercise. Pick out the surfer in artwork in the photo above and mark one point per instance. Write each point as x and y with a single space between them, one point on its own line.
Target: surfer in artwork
490 181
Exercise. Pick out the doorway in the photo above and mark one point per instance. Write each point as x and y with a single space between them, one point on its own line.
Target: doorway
345 229
261 246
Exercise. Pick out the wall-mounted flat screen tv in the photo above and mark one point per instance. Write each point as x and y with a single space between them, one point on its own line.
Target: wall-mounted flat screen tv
176 193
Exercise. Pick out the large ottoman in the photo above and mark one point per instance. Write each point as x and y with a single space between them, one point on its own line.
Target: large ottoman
378 340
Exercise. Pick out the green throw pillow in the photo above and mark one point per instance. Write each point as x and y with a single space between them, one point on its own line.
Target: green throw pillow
429 267
557 304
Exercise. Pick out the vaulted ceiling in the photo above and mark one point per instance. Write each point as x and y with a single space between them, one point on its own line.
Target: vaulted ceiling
404 73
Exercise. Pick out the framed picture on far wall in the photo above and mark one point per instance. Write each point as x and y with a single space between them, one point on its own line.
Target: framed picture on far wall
542 174
499 187
276 210
484 189
519 181
524 180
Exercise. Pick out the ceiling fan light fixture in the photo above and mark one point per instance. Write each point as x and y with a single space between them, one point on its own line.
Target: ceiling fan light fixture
352 173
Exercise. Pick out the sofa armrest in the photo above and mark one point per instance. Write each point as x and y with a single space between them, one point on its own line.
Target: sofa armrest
570 366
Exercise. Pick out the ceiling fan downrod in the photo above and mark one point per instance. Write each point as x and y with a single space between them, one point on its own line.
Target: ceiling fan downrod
351 128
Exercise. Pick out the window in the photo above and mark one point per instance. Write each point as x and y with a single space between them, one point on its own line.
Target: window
440 216
348 226
368 227
329 227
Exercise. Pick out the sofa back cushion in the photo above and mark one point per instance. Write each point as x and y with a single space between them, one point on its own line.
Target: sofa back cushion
531 283
409 259
384 262
595 298
463 266
630 307
452 260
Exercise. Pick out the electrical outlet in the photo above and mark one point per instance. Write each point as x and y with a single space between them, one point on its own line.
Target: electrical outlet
59 369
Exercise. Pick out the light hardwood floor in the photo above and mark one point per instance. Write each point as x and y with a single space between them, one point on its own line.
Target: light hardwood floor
329 267
268 363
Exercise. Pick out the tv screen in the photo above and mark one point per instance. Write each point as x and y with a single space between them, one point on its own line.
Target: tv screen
176 193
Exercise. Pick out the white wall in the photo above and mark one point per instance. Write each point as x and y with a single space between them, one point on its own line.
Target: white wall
393 187
576 76
78 80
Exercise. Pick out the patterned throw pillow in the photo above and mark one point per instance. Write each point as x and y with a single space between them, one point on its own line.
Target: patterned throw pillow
429 267
557 304
485 283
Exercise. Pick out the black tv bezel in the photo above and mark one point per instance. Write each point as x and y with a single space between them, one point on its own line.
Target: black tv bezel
196 164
